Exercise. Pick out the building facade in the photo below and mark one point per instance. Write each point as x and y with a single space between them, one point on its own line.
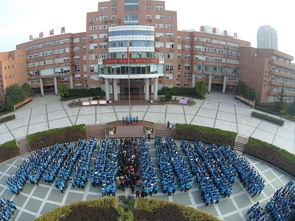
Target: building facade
12 70
269 72
58 59
267 37
134 47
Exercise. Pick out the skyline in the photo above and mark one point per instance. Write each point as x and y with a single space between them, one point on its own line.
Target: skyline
20 19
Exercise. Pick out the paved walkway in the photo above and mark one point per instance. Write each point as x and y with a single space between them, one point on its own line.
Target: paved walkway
218 111
35 200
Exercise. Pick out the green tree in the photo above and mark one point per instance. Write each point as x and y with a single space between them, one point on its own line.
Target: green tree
200 89
14 94
63 90
27 89
279 105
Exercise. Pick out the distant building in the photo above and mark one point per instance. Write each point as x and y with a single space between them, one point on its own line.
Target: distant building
12 70
267 37
269 72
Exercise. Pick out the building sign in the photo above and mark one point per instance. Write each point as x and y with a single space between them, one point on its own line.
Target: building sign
132 61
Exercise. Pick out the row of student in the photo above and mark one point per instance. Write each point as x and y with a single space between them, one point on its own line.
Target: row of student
7 209
280 207
249 177
106 166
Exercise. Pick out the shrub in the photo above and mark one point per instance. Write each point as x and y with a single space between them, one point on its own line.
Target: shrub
272 154
58 135
8 150
267 118
78 93
7 118
206 134
155 209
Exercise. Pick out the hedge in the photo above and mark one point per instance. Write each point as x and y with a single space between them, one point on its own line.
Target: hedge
8 150
58 135
272 154
267 118
205 134
79 93
150 209
108 209
7 118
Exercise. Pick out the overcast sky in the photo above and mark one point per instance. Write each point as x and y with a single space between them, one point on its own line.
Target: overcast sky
21 18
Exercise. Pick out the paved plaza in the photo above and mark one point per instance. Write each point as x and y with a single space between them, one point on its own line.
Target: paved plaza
218 111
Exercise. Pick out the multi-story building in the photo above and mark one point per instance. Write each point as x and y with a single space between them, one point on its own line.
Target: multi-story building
12 70
267 37
269 72
134 47
56 59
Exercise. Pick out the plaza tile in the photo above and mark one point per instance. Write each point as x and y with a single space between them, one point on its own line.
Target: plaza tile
33 205
73 197
182 198
226 206
242 200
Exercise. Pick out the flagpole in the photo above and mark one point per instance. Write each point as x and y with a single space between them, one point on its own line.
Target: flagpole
129 100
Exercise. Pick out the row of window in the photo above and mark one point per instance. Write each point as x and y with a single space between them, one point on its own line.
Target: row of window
218 69
131 32
49 61
139 43
135 69
49 44
148 7
217 50
216 59
49 52
216 41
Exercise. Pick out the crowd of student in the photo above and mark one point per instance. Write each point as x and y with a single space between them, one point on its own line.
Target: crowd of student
53 165
250 178
278 208
7 209
126 163
129 120
106 167
148 176
217 168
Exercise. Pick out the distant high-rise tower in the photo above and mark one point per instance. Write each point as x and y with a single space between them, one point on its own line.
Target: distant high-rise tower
267 37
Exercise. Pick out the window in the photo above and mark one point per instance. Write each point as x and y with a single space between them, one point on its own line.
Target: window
131 18
169 67
103 8
159 17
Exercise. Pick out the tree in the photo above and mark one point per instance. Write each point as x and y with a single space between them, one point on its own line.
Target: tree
200 89
63 90
14 94
27 89
279 104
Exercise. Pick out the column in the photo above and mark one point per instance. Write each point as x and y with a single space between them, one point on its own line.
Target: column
115 86
209 83
55 86
107 89
193 80
224 84
147 89
72 82
41 87
155 89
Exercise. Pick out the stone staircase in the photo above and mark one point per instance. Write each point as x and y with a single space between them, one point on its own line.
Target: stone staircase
23 145
240 143
161 130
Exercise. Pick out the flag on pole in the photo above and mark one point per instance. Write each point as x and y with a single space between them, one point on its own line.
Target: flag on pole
128 51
